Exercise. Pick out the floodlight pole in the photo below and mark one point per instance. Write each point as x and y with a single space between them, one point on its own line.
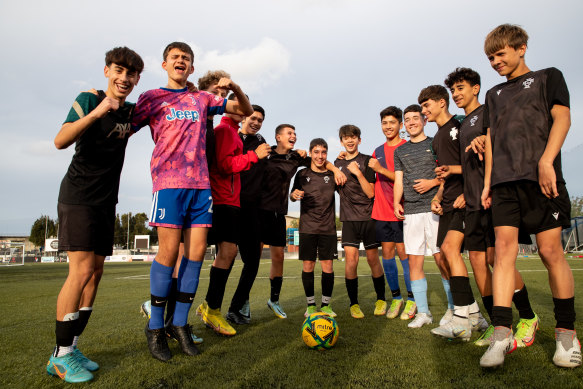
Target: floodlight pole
128 241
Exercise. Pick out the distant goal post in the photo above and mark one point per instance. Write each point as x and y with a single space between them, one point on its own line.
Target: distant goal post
11 253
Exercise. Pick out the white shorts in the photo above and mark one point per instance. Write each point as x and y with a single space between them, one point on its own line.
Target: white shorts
420 233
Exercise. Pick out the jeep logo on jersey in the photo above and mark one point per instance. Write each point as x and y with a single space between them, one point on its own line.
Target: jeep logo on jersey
473 120
182 115
121 129
326 179
528 82
453 133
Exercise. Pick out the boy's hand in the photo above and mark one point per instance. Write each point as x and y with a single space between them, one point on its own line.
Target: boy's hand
460 202
422 185
262 150
342 155
106 105
297 194
353 168
374 164
92 90
302 153
226 83
399 213
191 87
478 146
547 179
339 178
486 197
436 208
442 172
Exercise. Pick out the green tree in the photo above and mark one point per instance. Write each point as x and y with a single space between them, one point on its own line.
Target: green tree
39 227
338 224
137 226
576 206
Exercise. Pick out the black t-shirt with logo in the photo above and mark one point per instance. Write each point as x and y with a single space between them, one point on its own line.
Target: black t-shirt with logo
446 145
354 203
252 179
94 172
278 172
518 113
472 167
317 207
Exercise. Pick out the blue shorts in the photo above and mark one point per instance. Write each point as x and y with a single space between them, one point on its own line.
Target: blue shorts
181 208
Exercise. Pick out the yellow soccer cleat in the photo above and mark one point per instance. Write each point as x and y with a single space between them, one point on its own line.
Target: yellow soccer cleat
355 312
215 321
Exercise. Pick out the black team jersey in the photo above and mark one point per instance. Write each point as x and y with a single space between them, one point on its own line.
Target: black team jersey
278 172
317 209
252 179
518 113
472 167
446 146
354 203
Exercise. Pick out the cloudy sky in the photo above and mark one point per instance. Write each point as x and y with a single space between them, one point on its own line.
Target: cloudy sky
316 64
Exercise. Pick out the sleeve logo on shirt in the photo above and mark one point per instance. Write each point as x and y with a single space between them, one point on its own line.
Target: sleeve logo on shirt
182 115
473 120
528 82
453 133
308 179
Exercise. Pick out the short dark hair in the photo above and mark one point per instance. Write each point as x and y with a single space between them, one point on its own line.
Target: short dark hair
349 130
318 142
233 96
125 57
505 34
414 108
211 77
394 112
258 108
280 128
462 74
180 46
434 92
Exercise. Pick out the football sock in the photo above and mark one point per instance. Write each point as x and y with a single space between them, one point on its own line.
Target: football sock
327 287
352 290
160 281
246 280
392 274
406 275
216 290
379 287
460 286
488 302
65 332
84 314
419 288
275 288
501 316
447 290
187 286
308 282
410 296
565 313
522 303
171 301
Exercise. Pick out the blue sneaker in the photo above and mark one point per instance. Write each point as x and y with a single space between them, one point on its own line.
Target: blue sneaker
85 362
68 368
277 309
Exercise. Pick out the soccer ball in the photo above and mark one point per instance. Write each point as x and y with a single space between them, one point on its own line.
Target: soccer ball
320 331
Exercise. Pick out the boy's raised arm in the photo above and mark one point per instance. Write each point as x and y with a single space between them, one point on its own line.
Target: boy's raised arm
240 107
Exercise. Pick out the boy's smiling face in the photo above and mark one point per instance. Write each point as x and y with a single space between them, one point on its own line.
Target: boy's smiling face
507 60
121 81
391 127
350 143
178 64
286 138
463 93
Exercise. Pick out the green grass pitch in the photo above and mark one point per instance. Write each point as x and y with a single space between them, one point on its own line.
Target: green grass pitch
374 352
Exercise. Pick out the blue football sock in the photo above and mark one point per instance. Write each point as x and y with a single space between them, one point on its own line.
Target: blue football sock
187 285
160 282
447 293
392 275
406 275
419 288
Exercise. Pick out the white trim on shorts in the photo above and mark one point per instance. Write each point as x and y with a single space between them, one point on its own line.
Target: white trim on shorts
419 232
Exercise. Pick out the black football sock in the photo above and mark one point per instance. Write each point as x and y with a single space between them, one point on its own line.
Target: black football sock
65 332
501 316
327 287
522 303
216 289
565 313
275 288
379 286
308 282
352 289
488 302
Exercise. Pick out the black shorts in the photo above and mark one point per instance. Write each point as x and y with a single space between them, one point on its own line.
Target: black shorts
521 204
86 228
389 231
226 224
479 231
451 220
317 245
272 226
354 232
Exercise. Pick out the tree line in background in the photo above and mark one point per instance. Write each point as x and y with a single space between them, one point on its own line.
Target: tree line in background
44 226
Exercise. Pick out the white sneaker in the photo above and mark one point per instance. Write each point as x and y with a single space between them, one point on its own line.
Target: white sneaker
568 353
502 343
446 317
420 320
456 328
479 323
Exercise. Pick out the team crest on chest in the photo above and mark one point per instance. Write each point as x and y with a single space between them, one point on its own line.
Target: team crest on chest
528 82
473 120
259 137
453 133
326 179
308 179
498 92
287 157
193 99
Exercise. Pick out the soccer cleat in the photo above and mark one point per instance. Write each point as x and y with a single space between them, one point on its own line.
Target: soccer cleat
394 309
146 308
409 311
328 311
201 308
380 308
447 316
526 331
484 339
184 338
568 352
457 328
501 343
310 310
355 311
479 323
215 321
85 362
171 335
246 310
237 317
157 343
420 320
277 309
68 368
